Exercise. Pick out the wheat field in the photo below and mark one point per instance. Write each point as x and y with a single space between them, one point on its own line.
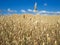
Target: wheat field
28 29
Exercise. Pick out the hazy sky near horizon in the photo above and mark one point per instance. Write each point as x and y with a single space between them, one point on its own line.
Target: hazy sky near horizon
17 5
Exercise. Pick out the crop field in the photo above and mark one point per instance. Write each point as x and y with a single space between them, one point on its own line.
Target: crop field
28 29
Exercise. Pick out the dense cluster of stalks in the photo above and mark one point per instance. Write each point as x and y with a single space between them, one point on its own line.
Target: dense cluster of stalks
29 30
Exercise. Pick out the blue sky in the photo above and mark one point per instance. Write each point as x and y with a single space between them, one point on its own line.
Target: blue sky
19 6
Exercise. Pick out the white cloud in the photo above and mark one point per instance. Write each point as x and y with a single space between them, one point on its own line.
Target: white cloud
42 11
23 11
48 12
57 12
30 10
9 10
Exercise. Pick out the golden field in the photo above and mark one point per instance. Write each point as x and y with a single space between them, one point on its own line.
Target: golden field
28 29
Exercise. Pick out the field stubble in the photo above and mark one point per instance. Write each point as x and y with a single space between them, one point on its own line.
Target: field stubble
29 30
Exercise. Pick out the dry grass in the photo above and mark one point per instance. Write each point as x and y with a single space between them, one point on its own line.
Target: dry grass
29 30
